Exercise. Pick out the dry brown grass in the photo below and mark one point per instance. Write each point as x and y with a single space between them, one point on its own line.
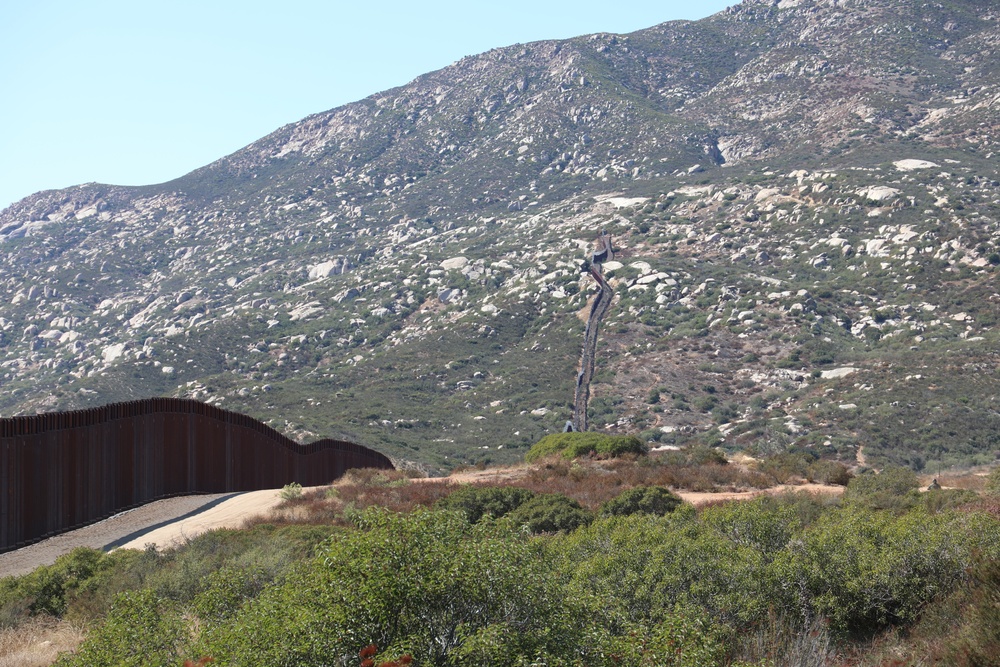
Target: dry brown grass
987 504
37 642
358 489
970 481
590 482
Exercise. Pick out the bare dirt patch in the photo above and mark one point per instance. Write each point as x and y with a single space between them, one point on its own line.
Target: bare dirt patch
514 473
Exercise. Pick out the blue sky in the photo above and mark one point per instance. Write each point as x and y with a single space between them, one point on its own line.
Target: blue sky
139 92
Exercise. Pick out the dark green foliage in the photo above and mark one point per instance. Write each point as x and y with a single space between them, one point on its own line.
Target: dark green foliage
477 501
428 584
701 455
655 500
893 488
573 445
826 471
938 500
82 585
550 513
141 630
862 569
677 589
50 589
641 566
993 482
973 638
266 550
685 637
226 591
865 569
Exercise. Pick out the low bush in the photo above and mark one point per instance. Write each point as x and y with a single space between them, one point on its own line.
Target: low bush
655 500
894 488
427 584
939 500
787 466
866 569
573 445
478 501
291 492
976 639
226 591
49 589
551 513
993 483
141 630
826 471
677 589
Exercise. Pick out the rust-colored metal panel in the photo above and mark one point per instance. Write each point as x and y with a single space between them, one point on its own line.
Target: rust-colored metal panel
62 470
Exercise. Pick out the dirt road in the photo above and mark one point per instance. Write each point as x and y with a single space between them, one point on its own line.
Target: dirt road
165 523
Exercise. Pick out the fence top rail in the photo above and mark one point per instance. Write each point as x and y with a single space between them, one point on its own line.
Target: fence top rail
47 422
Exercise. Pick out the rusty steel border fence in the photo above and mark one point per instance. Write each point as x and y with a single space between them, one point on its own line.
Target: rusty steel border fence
64 470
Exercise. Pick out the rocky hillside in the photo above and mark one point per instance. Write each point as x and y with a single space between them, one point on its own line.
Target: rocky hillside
803 197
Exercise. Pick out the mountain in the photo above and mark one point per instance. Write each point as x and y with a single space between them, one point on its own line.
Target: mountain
802 195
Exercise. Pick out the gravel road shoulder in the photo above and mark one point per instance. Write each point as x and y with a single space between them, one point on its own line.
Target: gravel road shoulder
165 523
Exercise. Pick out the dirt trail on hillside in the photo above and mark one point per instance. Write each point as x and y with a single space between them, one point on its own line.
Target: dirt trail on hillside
513 473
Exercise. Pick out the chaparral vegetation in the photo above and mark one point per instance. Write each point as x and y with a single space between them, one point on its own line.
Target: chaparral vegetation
585 562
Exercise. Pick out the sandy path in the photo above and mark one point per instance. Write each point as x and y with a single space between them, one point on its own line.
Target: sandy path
163 522
230 513
700 498
512 473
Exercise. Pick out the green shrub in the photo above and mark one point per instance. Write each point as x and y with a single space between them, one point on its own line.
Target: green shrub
573 445
426 583
764 524
993 483
640 566
976 639
550 513
49 588
787 466
291 491
655 500
119 571
826 471
865 570
703 455
893 488
478 501
684 638
226 591
141 630
939 500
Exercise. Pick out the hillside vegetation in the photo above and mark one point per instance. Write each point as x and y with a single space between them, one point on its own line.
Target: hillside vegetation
802 195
